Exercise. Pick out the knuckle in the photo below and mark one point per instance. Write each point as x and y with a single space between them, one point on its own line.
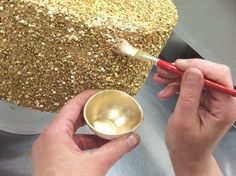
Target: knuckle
195 61
117 150
201 65
198 63
225 69
181 126
187 99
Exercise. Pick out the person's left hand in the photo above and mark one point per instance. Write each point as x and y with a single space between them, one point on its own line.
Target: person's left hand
59 151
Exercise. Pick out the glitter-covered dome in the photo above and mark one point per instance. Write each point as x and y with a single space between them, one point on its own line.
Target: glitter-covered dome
52 50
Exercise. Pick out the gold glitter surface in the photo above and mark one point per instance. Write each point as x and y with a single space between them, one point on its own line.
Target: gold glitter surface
51 50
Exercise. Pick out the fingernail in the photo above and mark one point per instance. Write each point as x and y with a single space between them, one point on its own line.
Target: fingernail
192 78
162 92
132 140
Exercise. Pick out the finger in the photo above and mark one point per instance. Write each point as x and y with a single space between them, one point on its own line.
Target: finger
69 117
111 152
165 74
86 142
217 72
204 98
190 93
168 91
160 80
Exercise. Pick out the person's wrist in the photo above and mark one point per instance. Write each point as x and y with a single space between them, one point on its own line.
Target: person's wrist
198 166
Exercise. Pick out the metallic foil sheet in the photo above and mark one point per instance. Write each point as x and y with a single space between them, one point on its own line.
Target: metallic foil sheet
51 50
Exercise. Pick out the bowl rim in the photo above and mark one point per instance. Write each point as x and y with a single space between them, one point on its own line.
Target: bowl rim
113 90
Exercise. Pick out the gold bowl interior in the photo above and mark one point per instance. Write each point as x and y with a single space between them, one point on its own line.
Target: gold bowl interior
112 113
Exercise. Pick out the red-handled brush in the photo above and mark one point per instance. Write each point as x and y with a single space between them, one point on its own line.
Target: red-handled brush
128 50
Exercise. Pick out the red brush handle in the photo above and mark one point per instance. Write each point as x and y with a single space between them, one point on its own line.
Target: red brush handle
216 86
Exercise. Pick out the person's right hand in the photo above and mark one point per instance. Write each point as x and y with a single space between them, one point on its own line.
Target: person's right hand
201 117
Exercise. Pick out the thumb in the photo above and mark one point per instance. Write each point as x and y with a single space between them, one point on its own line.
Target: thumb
112 151
190 93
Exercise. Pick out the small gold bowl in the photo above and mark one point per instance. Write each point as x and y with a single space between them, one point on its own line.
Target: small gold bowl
111 114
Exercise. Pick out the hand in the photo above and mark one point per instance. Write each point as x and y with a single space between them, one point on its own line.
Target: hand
59 152
201 117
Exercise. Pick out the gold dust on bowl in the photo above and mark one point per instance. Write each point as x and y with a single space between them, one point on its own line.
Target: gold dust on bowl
112 113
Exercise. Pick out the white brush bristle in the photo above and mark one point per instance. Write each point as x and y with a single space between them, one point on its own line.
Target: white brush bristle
127 49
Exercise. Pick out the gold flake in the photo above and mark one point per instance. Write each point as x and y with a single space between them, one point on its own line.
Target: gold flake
52 50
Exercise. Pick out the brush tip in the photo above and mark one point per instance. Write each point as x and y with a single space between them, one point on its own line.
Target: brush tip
125 48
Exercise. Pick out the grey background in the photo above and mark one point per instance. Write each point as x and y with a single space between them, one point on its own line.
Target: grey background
210 28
